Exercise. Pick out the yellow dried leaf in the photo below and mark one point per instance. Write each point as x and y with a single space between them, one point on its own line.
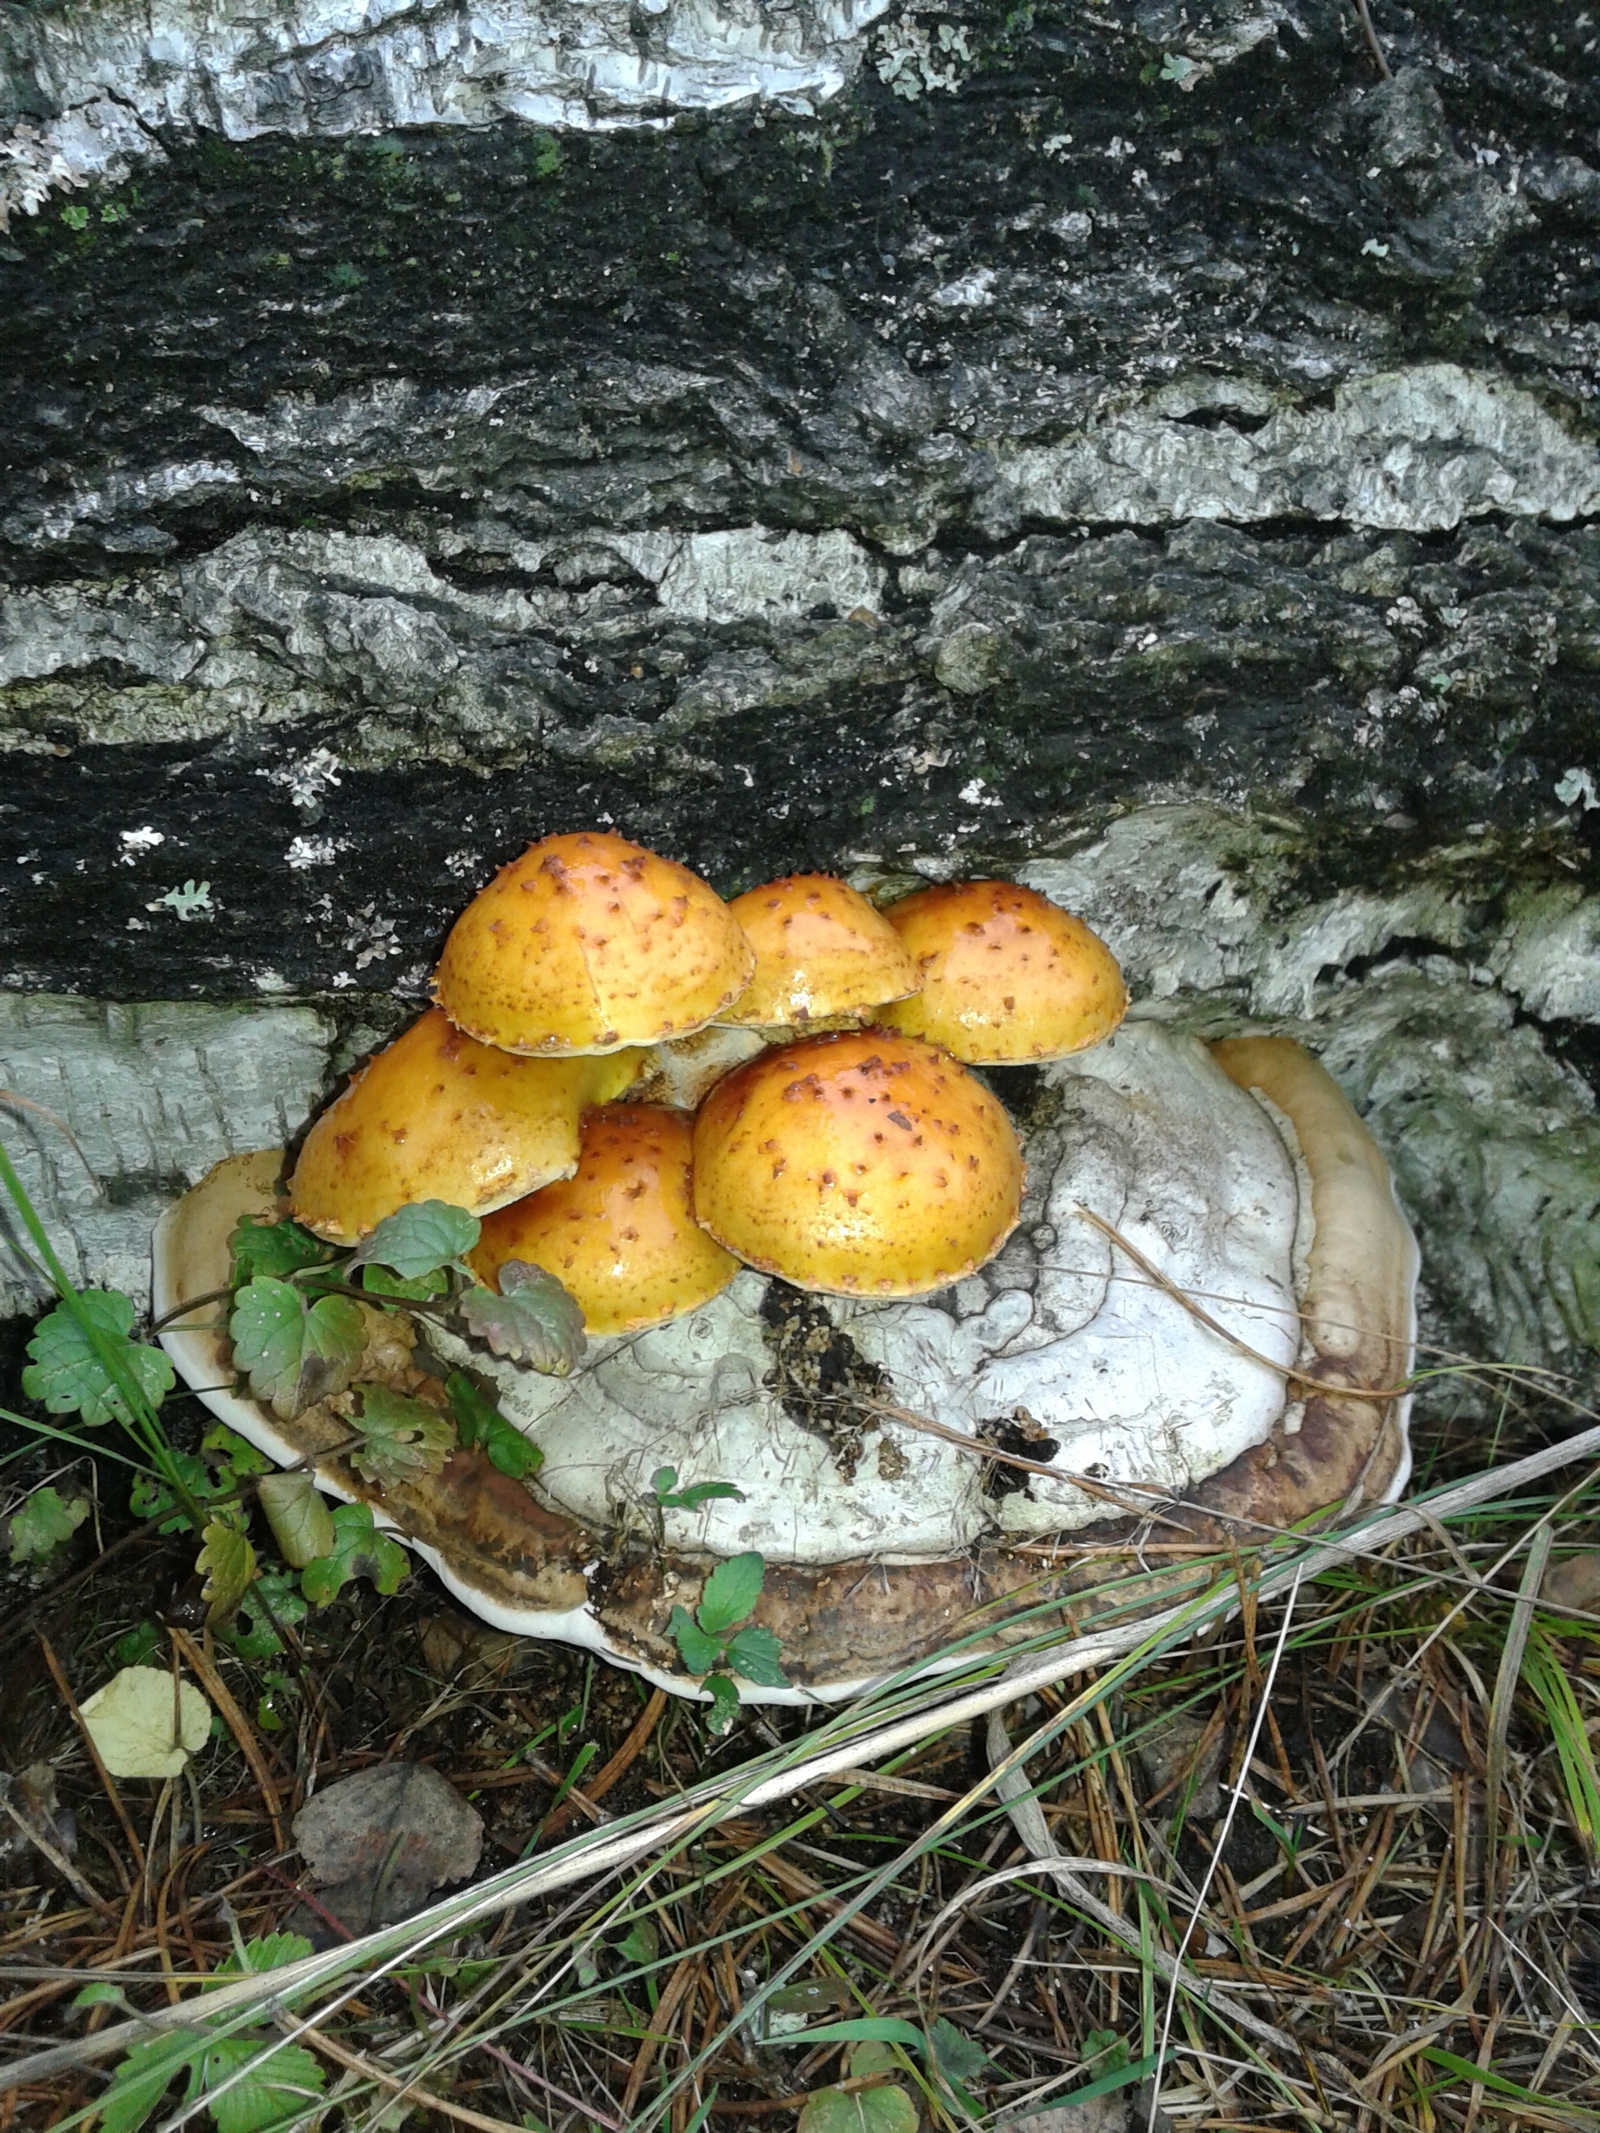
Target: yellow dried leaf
138 1729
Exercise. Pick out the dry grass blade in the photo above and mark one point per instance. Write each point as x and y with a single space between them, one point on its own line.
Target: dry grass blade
865 1735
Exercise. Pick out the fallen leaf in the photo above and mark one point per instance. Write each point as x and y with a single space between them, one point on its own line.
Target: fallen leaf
1573 1585
135 1728
380 1842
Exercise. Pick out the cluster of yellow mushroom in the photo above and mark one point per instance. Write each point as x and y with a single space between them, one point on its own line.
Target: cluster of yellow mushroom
852 1154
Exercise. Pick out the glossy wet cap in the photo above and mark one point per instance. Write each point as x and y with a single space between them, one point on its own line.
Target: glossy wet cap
863 1164
588 943
821 951
437 1116
1006 977
620 1233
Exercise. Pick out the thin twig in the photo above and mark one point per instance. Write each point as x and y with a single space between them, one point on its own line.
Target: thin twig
1364 17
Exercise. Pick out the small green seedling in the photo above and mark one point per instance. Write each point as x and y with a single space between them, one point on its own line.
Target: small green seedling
42 1526
279 2085
719 1640
669 1497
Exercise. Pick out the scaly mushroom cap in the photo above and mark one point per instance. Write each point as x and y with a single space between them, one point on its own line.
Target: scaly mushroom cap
821 950
1008 978
620 1234
860 1164
437 1116
588 943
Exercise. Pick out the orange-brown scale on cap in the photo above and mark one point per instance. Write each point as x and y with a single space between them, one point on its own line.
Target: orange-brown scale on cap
860 1164
1007 978
588 943
620 1233
437 1116
822 952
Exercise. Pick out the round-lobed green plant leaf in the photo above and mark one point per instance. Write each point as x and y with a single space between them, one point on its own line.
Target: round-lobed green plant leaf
45 1523
292 1353
402 1437
887 2109
272 1249
419 1239
229 1564
533 1320
359 1550
67 1375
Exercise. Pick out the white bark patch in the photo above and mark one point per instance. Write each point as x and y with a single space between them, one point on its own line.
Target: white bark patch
1417 450
333 68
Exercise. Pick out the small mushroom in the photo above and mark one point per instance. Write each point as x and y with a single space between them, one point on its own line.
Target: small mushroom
588 943
1007 977
822 953
619 1234
438 1116
857 1164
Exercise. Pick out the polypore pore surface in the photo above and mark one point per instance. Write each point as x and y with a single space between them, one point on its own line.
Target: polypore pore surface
1112 1378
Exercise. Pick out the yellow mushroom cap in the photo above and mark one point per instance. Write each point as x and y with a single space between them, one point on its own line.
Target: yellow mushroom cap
1006 976
436 1116
861 1164
620 1234
588 943
821 950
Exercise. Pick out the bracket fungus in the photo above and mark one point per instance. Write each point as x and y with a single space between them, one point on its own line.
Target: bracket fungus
1186 1320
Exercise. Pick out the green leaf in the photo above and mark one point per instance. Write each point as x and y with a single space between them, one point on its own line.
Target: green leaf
956 2060
533 1320
66 1374
881 2110
44 1524
240 1456
401 1437
724 1702
229 1563
269 1250
731 1591
268 1951
640 1944
753 1652
859 2029
295 1355
872 2057
699 1652
378 1281
134 1646
143 2078
101 1994
150 1496
664 1481
419 1239
480 1422
274 2093
1122 2076
253 1636
359 1550
298 1514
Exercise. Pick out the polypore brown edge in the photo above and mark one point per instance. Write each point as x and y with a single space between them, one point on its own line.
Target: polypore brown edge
841 1625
